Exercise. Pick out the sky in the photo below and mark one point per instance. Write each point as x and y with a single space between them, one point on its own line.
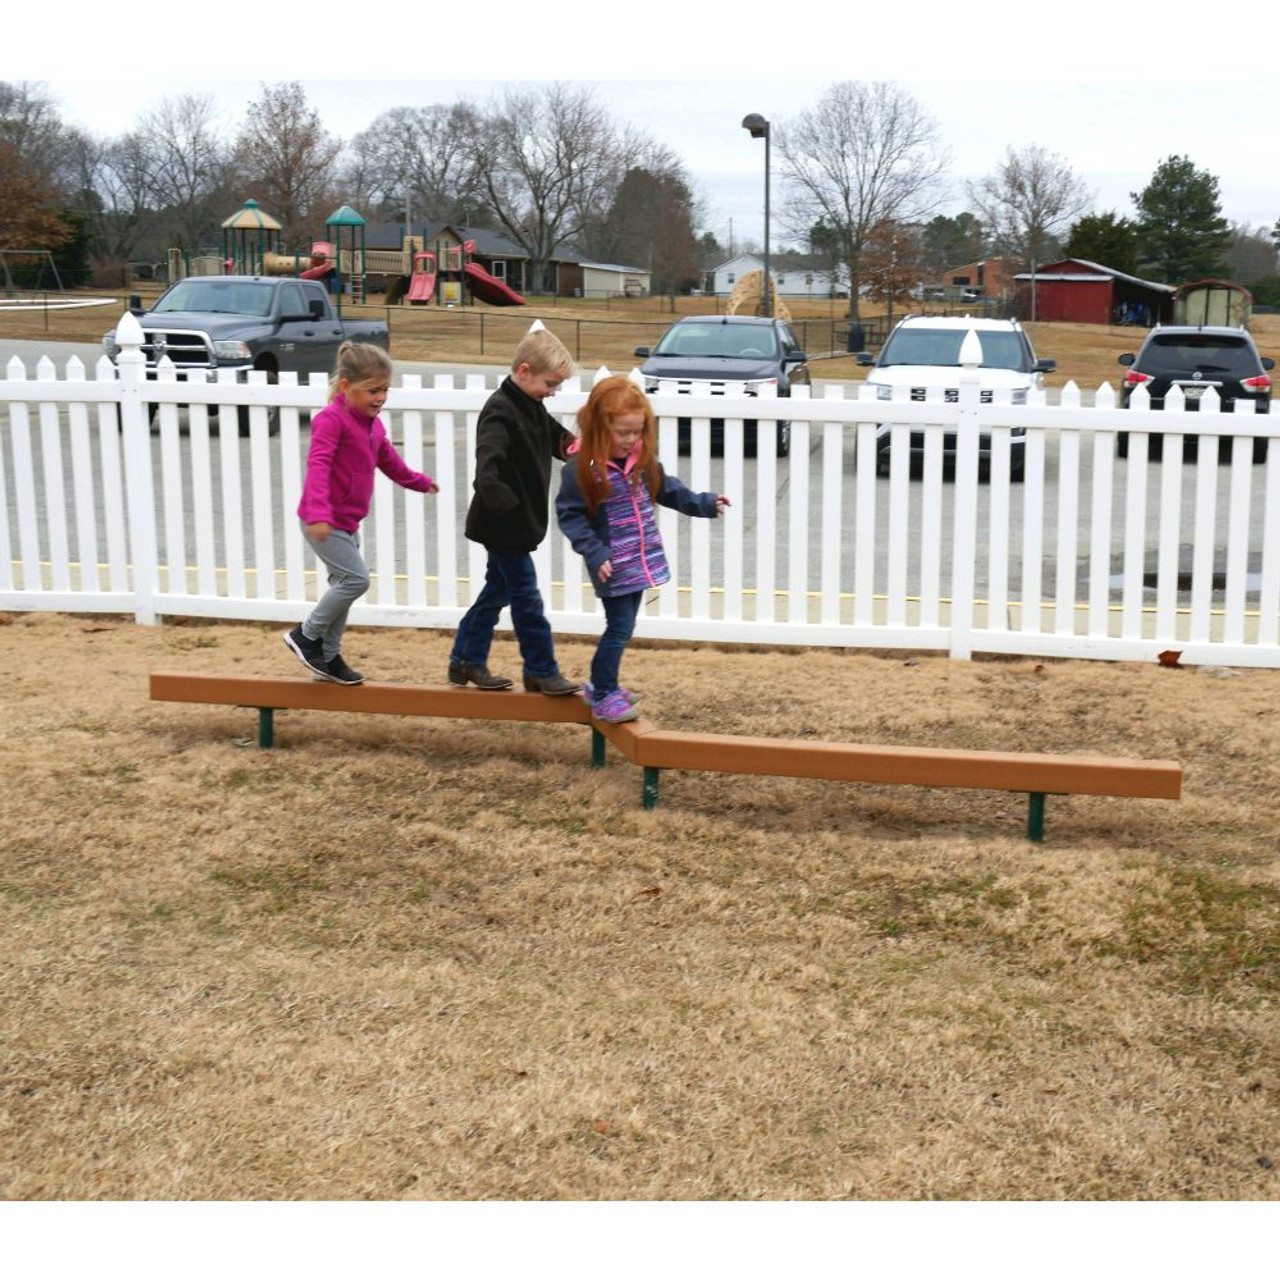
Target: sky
1111 96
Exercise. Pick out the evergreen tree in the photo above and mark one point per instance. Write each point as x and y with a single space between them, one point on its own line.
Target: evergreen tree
1182 234
1106 239
952 242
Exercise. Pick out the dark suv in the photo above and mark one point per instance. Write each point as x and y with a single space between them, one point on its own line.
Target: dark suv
735 354
1194 358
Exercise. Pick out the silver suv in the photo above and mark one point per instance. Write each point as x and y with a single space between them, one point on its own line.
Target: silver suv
922 354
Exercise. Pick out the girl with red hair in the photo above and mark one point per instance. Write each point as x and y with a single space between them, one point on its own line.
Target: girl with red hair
608 489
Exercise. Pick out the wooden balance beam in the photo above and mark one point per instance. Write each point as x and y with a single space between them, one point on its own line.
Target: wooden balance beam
655 749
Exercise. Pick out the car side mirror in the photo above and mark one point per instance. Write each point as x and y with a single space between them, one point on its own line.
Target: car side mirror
1127 358
795 357
1268 362
864 358
1045 366
643 352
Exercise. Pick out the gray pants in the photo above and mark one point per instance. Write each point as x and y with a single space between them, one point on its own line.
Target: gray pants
348 581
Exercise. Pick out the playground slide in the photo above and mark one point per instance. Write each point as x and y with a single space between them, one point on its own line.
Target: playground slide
321 272
421 287
490 288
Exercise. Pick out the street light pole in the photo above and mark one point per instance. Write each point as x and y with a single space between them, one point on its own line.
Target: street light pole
758 127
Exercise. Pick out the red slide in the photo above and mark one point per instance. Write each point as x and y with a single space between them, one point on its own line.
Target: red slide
421 287
490 288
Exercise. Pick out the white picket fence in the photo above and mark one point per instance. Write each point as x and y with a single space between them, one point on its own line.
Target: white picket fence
1092 556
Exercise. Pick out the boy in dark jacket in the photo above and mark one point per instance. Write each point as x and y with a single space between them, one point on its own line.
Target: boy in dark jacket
516 439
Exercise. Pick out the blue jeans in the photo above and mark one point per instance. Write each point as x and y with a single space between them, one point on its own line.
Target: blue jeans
620 613
510 579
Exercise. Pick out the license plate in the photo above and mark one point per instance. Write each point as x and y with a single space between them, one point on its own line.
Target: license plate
1193 393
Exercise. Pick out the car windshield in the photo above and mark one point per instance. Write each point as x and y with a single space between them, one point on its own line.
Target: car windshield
734 341
1000 350
234 297
1177 353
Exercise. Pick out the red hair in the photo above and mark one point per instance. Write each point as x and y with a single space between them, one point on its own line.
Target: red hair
610 399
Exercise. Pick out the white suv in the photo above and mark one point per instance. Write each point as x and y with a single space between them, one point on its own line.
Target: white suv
923 354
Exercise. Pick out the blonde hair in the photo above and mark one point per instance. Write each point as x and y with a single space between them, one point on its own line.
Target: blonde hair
360 362
543 352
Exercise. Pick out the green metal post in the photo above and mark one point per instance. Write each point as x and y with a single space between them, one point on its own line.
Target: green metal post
265 721
1035 816
597 748
650 787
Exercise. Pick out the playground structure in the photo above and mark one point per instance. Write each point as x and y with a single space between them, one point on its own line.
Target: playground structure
252 244
642 743
317 265
747 298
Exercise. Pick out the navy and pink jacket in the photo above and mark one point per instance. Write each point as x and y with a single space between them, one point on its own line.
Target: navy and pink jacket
345 448
624 528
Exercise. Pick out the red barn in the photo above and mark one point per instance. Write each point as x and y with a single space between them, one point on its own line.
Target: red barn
1084 292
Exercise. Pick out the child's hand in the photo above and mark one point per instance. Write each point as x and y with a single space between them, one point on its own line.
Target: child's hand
320 531
722 502
605 571
433 488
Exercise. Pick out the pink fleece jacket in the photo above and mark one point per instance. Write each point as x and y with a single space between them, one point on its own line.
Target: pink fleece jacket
345 448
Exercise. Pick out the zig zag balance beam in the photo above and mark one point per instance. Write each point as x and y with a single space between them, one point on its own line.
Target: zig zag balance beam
655 749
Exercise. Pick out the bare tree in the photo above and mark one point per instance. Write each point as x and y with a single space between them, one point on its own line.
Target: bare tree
1031 196
867 153
285 160
417 162
548 162
113 189
188 162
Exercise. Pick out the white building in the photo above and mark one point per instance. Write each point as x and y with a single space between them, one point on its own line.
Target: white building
794 279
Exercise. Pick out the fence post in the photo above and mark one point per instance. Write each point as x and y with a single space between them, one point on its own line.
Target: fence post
964 540
135 427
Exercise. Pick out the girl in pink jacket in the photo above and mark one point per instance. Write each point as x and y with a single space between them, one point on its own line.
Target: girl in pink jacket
347 441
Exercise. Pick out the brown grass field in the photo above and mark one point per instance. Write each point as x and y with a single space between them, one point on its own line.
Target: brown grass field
417 960
434 960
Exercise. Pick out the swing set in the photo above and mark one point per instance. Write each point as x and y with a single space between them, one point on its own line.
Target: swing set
44 262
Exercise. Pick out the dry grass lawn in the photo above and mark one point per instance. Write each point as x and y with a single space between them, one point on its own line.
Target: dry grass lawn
404 959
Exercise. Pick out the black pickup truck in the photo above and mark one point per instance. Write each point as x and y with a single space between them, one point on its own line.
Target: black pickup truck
278 325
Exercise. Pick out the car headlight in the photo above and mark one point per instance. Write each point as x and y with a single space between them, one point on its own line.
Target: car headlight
231 350
757 385
884 393
650 386
110 345
1019 396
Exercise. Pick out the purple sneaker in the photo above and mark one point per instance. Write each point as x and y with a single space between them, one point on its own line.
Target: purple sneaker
590 694
613 708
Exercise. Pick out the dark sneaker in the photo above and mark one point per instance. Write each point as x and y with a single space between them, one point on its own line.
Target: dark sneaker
337 670
308 652
555 684
480 676
614 708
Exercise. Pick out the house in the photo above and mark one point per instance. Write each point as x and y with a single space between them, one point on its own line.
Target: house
990 277
582 279
1084 292
795 275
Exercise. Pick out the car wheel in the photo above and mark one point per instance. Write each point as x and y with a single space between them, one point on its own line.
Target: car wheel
784 439
273 413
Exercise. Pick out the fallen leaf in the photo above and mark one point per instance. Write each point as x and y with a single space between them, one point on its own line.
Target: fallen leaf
1169 658
601 1126
96 626
651 892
